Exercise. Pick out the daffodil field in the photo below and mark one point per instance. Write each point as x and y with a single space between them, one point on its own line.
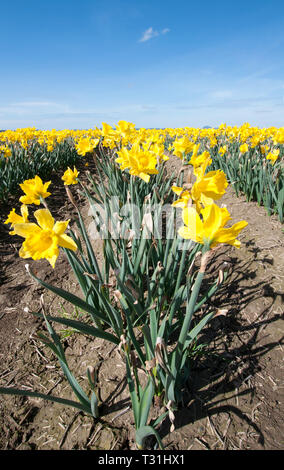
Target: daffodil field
251 158
160 232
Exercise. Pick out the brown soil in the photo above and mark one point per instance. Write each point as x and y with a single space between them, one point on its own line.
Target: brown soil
235 392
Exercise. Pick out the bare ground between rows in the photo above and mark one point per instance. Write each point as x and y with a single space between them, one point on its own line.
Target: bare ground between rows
235 392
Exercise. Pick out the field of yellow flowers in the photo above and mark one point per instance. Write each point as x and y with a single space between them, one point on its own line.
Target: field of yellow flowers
251 158
145 237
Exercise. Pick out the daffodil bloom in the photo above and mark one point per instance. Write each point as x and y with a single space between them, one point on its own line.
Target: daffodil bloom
34 189
43 240
254 141
124 128
107 129
24 143
200 163
184 199
200 171
158 149
212 186
70 177
195 151
210 230
6 151
85 145
123 158
198 160
51 144
142 164
222 150
139 162
244 148
264 149
14 218
204 191
273 156
182 146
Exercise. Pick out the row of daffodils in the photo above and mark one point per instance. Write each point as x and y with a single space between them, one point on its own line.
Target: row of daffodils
145 297
251 157
204 220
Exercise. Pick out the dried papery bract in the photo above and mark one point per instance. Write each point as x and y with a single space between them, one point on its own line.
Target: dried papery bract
161 355
151 364
221 312
204 261
71 198
147 222
189 178
171 415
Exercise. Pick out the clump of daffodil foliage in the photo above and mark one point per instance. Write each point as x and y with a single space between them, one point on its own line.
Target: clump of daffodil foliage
146 297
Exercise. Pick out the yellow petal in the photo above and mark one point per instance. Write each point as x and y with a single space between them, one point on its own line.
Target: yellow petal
44 219
67 242
184 232
24 230
14 218
144 177
177 190
214 219
30 200
206 201
24 212
194 223
60 227
23 253
228 235
52 260
180 203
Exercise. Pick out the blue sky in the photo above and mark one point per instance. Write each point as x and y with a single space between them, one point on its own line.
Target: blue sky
76 64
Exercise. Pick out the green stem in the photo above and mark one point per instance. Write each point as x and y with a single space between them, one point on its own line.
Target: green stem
190 310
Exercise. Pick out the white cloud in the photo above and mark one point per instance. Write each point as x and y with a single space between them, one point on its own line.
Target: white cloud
150 33
32 108
37 104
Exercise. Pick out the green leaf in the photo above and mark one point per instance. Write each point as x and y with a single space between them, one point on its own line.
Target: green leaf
145 402
79 392
146 431
83 328
26 393
73 299
133 394
94 405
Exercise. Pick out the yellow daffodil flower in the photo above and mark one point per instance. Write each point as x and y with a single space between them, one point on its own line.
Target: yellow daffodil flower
34 189
222 150
204 191
14 218
6 151
139 162
198 160
185 197
70 177
244 148
212 185
107 129
43 240
272 156
210 229
85 145
124 128
182 146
